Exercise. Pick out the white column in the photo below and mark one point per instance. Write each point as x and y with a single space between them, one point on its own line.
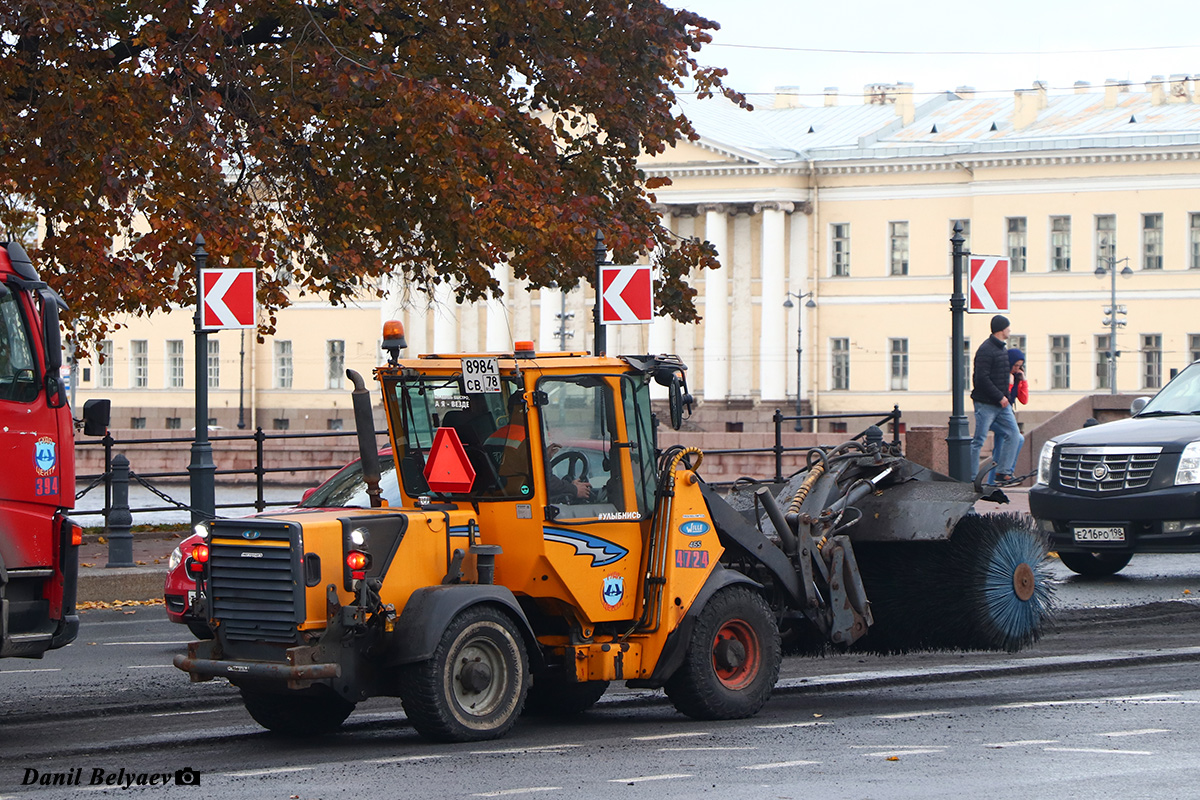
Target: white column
741 324
797 318
549 306
685 335
445 319
660 338
772 337
520 309
498 338
716 306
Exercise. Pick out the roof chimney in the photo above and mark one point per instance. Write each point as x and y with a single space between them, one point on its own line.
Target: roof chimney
1082 87
831 95
1156 87
892 94
1027 103
965 92
1112 88
787 97
1181 89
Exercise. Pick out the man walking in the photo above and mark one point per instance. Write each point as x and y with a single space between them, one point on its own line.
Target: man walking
989 390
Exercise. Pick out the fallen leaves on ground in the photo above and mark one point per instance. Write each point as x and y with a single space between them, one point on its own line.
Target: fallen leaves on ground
94 604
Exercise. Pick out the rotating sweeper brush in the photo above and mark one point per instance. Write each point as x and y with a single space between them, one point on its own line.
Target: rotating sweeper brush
889 556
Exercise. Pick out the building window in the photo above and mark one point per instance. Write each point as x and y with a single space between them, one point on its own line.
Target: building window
1193 347
898 247
214 364
1152 235
966 245
212 422
1017 242
175 363
280 423
174 423
87 374
840 363
1017 341
840 249
137 423
1060 244
139 363
898 350
1060 362
334 425
1103 364
1106 240
1194 241
1152 361
335 363
104 355
283 364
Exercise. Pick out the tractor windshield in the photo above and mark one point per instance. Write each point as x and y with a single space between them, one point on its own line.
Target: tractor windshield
17 378
490 425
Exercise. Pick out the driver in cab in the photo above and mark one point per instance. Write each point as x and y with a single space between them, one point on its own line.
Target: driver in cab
512 438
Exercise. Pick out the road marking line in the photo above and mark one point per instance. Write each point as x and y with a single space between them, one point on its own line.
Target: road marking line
644 778
1142 732
401 759
1052 703
700 749
893 746
913 715
529 790
791 725
184 713
252 773
127 644
1102 750
518 750
779 765
669 736
1021 743
23 671
917 751
150 666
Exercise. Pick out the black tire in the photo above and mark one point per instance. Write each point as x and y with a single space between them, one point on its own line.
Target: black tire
474 686
554 697
297 714
200 630
732 660
1095 565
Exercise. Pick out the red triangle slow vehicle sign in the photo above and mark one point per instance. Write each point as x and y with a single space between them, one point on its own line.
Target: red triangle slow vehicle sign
448 469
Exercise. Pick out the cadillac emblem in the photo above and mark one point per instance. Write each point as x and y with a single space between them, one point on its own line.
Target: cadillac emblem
1100 472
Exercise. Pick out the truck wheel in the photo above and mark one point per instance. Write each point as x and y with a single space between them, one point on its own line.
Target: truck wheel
295 714
732 661
1095 565
553 697
474 686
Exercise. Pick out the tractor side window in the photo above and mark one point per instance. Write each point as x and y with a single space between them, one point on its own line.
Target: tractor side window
18 380
641 441
582 471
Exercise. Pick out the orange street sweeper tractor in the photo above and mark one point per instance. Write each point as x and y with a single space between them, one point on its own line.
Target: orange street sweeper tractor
545 547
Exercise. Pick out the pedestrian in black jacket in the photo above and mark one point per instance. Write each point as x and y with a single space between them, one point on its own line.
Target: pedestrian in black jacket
989 390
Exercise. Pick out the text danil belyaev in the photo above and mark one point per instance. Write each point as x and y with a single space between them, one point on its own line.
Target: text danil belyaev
102 777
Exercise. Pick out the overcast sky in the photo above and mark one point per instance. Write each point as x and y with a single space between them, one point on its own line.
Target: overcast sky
937 45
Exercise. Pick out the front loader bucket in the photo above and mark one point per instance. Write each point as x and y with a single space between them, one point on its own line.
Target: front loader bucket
925 508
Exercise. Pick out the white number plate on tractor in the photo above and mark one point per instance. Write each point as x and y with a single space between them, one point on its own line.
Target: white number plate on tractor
481 375
1106 534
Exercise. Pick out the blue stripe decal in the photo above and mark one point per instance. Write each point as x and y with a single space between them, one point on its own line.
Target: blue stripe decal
602 551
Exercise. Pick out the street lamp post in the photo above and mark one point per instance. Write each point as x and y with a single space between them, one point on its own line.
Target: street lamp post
799 348
1112 312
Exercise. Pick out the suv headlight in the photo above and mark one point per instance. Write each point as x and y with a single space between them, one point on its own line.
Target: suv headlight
176 557
1044 460
1189 465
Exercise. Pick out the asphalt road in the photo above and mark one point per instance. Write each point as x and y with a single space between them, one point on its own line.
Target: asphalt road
1103 706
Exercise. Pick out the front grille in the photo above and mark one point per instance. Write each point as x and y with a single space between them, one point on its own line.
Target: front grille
252 580
1107 469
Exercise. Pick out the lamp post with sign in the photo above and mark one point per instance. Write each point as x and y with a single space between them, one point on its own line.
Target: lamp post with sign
201 470
1113 310
799 426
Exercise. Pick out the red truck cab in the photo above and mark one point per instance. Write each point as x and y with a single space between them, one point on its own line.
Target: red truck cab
38 543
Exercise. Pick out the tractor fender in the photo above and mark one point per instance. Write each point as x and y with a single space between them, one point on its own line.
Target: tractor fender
430 610
675 648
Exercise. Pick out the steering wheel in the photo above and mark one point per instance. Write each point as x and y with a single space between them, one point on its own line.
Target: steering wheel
571 457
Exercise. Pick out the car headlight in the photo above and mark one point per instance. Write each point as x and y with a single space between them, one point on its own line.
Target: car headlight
1044 460
176 557
1189 465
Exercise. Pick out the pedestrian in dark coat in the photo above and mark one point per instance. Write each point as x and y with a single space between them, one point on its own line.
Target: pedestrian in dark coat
989 389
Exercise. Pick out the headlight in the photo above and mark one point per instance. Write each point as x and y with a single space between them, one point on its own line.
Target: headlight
1189 465
201 530
1044 460
176 557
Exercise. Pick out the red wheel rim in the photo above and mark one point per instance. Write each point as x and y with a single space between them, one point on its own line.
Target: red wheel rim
736 654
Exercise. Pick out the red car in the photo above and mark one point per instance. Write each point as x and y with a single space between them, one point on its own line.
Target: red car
345 489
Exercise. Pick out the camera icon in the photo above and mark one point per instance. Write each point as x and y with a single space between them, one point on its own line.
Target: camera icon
187 777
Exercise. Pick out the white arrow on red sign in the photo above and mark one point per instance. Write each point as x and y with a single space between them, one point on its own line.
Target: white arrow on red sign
988 292
627 293
228 298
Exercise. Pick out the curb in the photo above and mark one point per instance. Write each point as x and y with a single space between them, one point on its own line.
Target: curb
103 585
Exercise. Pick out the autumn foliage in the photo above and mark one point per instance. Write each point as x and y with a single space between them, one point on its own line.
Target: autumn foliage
331 143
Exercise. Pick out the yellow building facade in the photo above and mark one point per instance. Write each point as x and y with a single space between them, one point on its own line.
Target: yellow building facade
833 226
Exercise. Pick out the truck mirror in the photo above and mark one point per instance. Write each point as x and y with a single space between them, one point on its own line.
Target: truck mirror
51 333
96 415
1137 405
675 401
